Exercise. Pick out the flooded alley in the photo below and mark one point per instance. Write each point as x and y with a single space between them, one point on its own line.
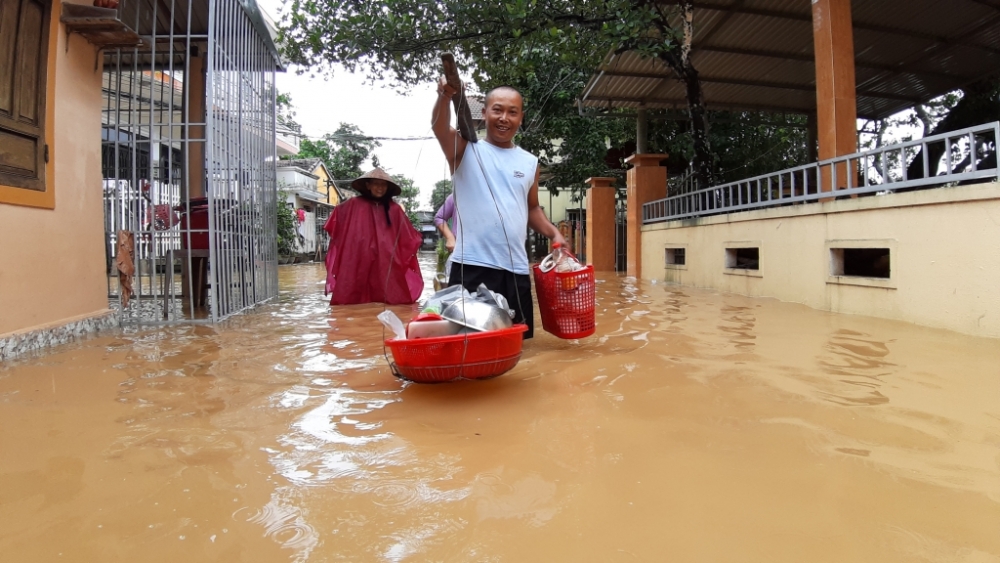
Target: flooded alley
694 426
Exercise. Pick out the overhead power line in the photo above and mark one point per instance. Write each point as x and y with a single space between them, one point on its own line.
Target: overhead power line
353 137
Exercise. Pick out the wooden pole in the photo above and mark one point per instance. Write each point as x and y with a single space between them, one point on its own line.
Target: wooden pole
836 96
462 110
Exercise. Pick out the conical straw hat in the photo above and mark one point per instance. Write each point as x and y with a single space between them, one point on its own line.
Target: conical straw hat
361 184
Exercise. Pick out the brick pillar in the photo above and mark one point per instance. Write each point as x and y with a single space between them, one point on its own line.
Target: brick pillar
601 224
646 181
836 93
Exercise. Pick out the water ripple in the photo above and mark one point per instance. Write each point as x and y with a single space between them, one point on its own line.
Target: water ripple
284 524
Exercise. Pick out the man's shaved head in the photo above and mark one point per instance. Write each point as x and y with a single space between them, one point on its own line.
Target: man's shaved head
504 89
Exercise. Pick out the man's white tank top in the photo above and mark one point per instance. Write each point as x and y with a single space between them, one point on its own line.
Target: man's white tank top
491 206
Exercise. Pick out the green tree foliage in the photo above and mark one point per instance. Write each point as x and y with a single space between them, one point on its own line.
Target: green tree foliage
408 198
974 104
548 49
442 188
286 112
498 41
744 143
322 149
748 144
343 151
286 225
570 147
917 123
979 103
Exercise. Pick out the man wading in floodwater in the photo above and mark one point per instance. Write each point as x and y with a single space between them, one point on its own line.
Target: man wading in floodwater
494 179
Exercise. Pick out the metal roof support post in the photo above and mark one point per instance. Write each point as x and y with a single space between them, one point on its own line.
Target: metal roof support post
836 92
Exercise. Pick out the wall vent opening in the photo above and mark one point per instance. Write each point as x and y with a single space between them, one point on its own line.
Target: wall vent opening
674 256
860 262
743 258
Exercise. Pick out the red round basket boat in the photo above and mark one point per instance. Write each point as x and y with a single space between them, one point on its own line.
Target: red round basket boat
566 301
479 355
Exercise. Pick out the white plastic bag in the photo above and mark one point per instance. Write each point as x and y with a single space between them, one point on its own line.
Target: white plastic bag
560 260
392 322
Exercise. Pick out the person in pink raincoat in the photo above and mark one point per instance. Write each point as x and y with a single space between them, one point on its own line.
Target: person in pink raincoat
372 256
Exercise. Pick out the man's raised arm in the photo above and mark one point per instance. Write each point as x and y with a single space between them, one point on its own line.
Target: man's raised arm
451 142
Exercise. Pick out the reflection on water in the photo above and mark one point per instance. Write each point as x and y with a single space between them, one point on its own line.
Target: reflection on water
856 363
738 323
711 427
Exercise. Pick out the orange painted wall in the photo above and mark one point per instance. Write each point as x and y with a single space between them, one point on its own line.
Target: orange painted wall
52 260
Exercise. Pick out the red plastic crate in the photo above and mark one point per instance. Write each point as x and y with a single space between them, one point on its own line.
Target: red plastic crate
194 217
566 301
470 356
197 222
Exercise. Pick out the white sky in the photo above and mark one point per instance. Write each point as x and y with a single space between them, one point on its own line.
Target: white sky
379 111
322 105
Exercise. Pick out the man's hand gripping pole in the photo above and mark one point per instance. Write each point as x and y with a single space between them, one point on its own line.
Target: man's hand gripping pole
466 128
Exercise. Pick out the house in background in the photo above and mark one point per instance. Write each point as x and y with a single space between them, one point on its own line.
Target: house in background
567 214
324 183
287 141
428 231
311 187
476 106
299 188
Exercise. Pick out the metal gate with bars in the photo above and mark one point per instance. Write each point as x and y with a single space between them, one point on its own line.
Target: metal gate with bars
621 232
188 151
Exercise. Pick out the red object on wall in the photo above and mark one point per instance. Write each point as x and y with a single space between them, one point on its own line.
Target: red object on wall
194 216
196 220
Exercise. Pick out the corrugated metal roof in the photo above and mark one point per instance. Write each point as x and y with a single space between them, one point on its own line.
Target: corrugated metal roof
758 54
177 19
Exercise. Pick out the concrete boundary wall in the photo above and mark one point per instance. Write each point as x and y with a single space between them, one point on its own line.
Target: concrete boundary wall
67 330
943 244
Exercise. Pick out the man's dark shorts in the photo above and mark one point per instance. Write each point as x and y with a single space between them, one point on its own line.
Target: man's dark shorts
510 285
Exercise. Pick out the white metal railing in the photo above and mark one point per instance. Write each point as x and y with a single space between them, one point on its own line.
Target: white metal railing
685 183
966 154
307 233
149 214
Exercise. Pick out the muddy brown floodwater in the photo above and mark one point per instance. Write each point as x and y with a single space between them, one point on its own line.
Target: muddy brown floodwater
694 426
